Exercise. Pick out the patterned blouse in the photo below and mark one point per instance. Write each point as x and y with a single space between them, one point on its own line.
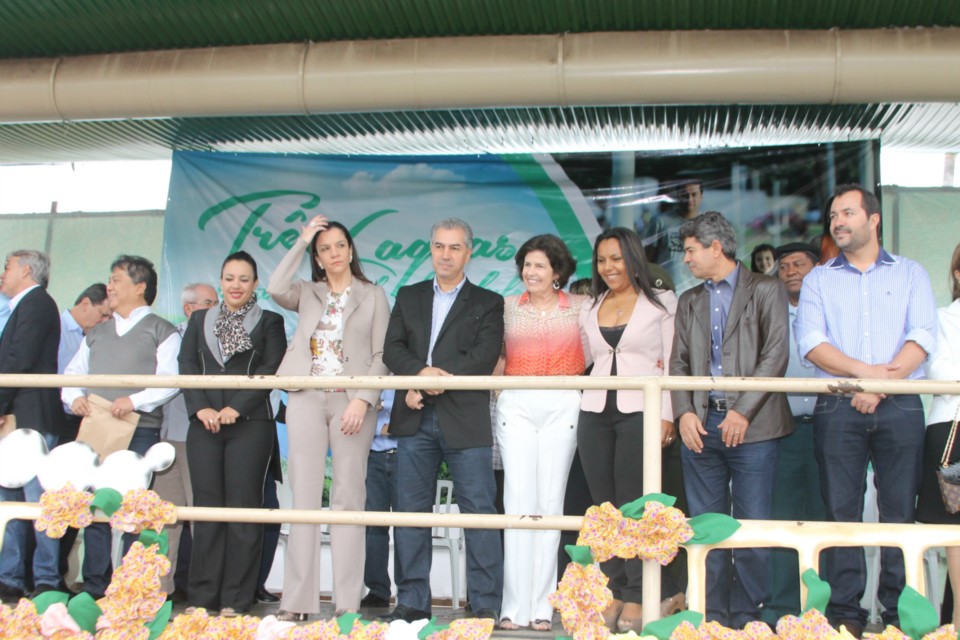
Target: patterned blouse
326 343
540 343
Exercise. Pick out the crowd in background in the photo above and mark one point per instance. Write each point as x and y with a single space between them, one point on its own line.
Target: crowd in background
677 302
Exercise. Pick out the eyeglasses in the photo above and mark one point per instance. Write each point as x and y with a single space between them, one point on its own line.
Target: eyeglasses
206 304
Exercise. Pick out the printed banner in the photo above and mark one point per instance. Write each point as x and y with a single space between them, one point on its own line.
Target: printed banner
220 203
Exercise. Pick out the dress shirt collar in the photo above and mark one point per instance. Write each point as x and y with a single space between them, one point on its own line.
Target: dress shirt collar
70 322
15 300
563 303
135 316
841 261
440 292
731 279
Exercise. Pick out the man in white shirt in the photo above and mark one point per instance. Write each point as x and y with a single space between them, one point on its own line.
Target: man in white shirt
133 341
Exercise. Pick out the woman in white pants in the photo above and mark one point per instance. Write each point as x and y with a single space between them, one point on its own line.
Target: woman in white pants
537 429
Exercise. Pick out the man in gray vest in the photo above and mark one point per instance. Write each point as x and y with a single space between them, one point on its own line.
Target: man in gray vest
133 341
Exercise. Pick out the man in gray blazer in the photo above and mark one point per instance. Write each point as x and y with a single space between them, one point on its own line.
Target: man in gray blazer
733 324
440 327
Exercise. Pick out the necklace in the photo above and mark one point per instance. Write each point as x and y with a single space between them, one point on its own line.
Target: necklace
543 310
617 308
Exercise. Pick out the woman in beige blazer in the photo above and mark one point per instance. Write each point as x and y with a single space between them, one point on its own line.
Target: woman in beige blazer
343 320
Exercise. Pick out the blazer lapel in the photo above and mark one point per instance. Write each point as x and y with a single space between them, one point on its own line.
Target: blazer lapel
741 296
426 312
701 311
209 324
458 306
358 291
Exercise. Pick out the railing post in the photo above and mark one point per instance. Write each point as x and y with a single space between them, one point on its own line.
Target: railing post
652 474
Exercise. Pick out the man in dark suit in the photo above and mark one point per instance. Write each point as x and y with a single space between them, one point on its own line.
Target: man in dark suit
733 324
441 327
29 344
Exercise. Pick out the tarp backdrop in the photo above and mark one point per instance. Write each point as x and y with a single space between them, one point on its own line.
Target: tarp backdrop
220 203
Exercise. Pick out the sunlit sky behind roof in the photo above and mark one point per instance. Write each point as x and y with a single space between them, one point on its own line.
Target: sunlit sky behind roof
142 185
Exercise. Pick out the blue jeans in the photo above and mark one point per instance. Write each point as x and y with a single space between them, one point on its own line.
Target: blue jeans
98 537
846 440
382 495
13 557
418 462
735 597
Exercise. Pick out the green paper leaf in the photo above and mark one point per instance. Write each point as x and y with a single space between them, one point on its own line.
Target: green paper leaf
664 627
818 591
634 510
159 623
107 500
579 554
44 600
711 528
84 610
564 638
346 623
431 627
149 537
917 615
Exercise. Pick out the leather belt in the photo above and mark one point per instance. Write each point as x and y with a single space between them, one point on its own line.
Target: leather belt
718 404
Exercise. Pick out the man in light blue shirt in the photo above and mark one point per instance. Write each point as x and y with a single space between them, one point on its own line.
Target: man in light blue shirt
4 311
796 492
866 314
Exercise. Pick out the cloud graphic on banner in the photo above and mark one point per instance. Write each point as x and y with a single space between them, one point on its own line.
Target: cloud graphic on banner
405 179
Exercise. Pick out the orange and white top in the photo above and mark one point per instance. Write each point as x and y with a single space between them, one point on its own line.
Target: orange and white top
543 343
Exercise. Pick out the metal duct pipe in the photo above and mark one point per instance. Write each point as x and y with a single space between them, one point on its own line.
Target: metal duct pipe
678 67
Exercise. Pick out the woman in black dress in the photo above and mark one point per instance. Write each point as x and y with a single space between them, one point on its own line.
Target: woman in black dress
943 364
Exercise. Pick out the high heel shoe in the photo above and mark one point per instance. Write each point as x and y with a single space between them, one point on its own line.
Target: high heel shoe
674 604
631 618
291 616
611 614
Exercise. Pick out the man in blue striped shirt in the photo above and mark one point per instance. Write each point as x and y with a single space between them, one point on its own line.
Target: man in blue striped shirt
866 314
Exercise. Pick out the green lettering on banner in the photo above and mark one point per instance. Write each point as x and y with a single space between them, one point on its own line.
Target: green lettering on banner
250 226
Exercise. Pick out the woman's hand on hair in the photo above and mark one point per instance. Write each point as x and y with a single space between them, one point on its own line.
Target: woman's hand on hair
352 418
316 224
210 419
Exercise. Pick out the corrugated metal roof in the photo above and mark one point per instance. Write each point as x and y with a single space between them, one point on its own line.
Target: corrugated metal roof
551 130
47 28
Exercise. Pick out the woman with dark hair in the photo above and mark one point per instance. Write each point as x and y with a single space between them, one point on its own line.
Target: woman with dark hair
343 320
763 259
627 330
943 364
231 434
536 429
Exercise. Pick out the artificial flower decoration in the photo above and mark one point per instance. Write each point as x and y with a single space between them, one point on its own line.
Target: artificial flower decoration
20 622
134 596
581 599
402 630
143 509
466 629
272 629
188 626
602 530
659 534
811 625
890 633
946 632
62 508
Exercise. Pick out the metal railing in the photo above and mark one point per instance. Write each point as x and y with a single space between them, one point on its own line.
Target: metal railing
808 538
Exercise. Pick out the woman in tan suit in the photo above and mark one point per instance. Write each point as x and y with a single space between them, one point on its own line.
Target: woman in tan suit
343 320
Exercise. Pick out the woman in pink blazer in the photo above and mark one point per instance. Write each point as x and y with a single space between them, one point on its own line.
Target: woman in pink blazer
627 330
343 321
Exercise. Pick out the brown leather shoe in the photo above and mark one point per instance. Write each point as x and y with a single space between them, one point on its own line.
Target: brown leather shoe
631 618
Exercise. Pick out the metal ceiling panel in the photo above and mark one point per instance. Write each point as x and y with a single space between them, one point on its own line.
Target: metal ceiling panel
50 28
547 130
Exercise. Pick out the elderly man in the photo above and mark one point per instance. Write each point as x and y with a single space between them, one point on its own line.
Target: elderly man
866 314
29 345
733 324
796 493
133 341
173 484
441 327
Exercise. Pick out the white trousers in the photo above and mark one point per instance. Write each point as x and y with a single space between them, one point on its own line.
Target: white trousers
537 434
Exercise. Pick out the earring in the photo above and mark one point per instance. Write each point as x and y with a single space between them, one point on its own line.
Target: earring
556 285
